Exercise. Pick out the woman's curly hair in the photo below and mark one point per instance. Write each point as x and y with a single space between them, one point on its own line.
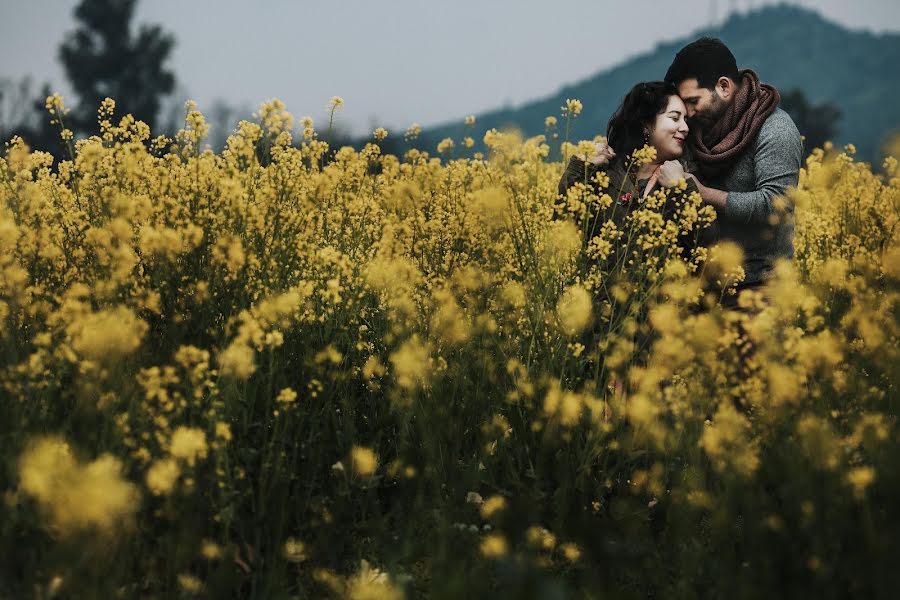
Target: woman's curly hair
628 127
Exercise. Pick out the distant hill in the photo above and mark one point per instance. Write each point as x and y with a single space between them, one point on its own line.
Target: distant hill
789 47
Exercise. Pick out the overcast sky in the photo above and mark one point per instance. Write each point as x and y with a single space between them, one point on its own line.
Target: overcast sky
396 61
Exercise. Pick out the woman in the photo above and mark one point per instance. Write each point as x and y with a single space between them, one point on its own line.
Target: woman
651 114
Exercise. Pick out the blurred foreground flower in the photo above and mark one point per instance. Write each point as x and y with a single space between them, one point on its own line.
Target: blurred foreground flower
75 495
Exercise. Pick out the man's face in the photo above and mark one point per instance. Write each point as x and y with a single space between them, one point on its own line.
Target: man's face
704 106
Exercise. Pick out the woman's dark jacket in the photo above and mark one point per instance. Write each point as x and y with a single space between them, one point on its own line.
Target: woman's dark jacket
626 197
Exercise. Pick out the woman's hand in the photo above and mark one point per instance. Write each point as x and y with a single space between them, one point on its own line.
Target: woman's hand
602 155
670 173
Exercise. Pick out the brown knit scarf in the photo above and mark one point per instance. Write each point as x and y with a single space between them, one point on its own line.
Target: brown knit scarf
717 149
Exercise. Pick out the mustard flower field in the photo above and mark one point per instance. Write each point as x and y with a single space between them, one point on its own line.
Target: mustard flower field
290 371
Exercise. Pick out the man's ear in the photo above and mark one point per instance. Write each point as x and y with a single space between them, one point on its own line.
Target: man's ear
725 87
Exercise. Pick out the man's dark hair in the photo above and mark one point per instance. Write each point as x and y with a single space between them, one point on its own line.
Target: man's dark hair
706 59
637 113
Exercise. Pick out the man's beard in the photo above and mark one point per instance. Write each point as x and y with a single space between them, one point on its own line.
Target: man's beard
700 123
704 120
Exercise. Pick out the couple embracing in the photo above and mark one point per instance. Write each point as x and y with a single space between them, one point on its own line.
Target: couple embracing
719 129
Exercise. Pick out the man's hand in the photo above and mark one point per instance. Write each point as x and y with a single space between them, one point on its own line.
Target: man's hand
670 172
602 155
717 198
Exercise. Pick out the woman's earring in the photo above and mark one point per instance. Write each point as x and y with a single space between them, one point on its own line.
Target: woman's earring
646 137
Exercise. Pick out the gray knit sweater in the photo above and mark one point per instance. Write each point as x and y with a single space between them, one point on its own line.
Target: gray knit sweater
751 217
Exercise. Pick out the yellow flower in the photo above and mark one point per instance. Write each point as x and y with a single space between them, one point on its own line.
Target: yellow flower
413 131
445 145
188 444
513 294
492 506
860 478
728 441
564 405
286 396
784 385
574 309
162 475
328 355
819 442
223 431
54 104
449 321
643 156
571 552
494 545
189 583
493 206
540 538
602 180
76 495
724 266
585 149
572 108
237 360
43 462
108 334
370 583
210 550
229 252
363 460
470 120
380 133
293 550
411 363
372 368
561 246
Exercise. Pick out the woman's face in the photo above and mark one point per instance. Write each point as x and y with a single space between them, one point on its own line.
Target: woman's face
670 131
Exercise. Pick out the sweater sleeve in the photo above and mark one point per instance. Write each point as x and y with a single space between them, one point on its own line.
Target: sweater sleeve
691 186
777 158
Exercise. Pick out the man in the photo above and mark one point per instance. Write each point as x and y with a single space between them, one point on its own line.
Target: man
747 153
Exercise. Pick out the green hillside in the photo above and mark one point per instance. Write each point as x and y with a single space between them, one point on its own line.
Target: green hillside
789 47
